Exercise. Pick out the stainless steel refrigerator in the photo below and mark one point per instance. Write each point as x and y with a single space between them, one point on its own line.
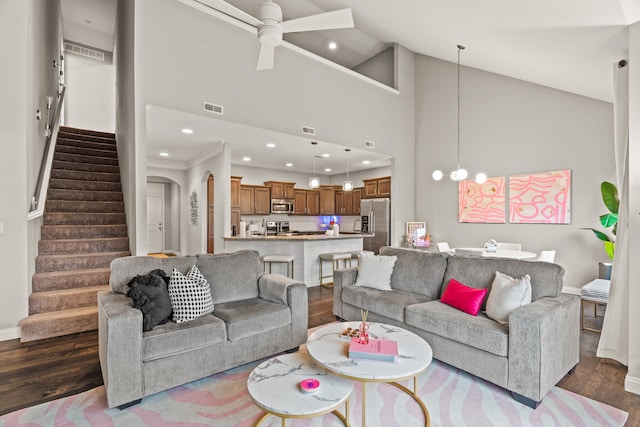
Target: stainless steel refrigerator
376 220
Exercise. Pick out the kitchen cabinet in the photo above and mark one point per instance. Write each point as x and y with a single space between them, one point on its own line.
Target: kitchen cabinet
235 192
348 202
281 190
306 202
377 187
357 197
328 199
254 200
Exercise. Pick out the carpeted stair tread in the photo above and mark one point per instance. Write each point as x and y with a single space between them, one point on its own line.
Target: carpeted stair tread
57 280
80 131
69 157
58 323
84 195
64 299
85 176
83 246
74 184
85 167
85 207
86 151
65 218
96 145
50 232
66 262
62 134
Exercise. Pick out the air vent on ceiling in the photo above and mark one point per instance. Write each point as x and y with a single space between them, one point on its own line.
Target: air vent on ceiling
308 130
84 51
213 108
370 145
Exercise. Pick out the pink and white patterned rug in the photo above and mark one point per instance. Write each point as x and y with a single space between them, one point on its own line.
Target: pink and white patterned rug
453 397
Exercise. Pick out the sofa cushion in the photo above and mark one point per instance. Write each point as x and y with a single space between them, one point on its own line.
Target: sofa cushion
463 297
252 316
389 304
374 271
417 271
175 338
546 278
125 268
448 322
233 276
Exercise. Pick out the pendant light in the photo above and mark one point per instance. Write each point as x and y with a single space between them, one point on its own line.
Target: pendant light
314 181
459 174
347 185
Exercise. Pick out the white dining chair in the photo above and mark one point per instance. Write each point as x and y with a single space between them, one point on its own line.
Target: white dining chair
511 246
444 247
473 252
546 256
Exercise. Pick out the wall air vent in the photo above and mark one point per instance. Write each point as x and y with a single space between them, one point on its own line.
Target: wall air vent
213 108
308 130
84 51
370 145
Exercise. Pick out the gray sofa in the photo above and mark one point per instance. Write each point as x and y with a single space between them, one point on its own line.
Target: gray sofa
528 357
255 315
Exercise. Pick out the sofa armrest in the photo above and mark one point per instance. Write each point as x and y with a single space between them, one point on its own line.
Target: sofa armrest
342 278
120 348
544 344
283 290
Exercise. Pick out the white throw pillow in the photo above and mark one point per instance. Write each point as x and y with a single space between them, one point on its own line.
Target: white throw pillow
190 295
374 271
506 295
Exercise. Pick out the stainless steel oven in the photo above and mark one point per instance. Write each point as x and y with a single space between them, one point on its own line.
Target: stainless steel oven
284 206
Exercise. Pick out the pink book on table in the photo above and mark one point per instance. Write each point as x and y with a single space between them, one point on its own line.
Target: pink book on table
383 350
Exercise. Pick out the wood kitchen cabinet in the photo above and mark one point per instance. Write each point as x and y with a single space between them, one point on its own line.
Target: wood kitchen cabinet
306 202
377 187
235 192
357 197
328 199
255 200
281 190
348 202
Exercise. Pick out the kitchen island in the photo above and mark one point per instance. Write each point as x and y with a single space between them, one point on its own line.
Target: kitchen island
306 249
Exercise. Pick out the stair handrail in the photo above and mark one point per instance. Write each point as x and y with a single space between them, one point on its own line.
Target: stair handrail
40 195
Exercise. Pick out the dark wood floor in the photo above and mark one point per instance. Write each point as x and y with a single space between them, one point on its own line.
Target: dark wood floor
44 370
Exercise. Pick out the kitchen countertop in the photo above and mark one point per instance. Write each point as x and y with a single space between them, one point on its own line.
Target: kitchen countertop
304 237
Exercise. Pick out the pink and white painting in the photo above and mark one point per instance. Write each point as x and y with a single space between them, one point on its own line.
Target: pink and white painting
540 198
482 202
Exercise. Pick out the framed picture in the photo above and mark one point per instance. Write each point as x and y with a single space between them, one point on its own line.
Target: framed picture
416 229
482 203
540 198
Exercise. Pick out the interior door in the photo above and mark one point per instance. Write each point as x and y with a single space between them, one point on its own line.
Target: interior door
155 218
210 228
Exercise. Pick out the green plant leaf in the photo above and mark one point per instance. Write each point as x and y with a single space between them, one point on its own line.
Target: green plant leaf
600 235
608 220
610 248
610 196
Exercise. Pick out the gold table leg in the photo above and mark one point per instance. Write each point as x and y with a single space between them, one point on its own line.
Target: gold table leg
413 394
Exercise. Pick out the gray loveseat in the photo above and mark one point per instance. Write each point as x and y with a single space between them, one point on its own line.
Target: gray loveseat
528 357
255 315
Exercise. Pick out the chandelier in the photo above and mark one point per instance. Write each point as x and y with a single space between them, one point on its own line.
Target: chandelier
459 174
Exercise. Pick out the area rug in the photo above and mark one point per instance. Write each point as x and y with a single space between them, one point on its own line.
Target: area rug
453 397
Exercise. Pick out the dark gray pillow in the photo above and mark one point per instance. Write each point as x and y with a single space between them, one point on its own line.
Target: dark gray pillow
150 295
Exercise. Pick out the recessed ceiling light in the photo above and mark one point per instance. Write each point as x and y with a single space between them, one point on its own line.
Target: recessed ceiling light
271 145
365 162
164 154
325 155
187 131
333 45
289 165
246 159
327 170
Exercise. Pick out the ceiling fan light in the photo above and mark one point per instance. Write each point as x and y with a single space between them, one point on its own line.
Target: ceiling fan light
481 178
437 175
314 182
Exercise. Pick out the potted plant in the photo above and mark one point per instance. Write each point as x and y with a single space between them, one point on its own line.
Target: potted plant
608 220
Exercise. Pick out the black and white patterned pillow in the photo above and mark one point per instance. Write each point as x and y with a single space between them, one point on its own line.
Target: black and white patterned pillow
190 295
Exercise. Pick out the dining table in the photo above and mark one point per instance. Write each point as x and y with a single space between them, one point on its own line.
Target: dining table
499 253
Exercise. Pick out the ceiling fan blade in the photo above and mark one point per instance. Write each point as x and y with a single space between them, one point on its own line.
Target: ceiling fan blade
265 59
324 21
232 11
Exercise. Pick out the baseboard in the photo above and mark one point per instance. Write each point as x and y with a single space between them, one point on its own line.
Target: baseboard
632 384
9 334
571 291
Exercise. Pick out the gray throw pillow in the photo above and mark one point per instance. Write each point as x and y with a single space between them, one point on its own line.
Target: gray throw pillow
374 271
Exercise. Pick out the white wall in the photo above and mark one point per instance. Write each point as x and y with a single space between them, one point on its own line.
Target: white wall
379 67
511 127
91 94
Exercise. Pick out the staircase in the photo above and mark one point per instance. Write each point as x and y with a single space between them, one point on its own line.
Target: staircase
84 229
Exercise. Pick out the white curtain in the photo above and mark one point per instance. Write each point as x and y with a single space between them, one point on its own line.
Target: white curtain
614 340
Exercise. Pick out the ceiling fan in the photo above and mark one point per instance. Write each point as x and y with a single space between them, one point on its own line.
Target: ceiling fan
270 27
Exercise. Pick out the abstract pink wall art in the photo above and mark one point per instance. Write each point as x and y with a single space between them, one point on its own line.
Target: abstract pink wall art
483 203
543 198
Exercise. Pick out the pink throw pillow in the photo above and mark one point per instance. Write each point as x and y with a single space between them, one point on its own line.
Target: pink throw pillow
463 297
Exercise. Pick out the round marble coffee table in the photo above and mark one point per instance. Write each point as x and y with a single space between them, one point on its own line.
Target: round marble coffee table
273 386
331 350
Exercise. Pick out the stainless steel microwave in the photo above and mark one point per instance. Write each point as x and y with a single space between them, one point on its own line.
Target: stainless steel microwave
284 206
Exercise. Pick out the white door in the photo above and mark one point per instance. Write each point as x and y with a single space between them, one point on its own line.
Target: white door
155 218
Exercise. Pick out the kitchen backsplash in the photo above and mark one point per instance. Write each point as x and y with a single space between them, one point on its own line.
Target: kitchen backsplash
305 223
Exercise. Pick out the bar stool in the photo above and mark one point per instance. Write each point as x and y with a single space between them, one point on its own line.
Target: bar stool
354 255
270 259
335 258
